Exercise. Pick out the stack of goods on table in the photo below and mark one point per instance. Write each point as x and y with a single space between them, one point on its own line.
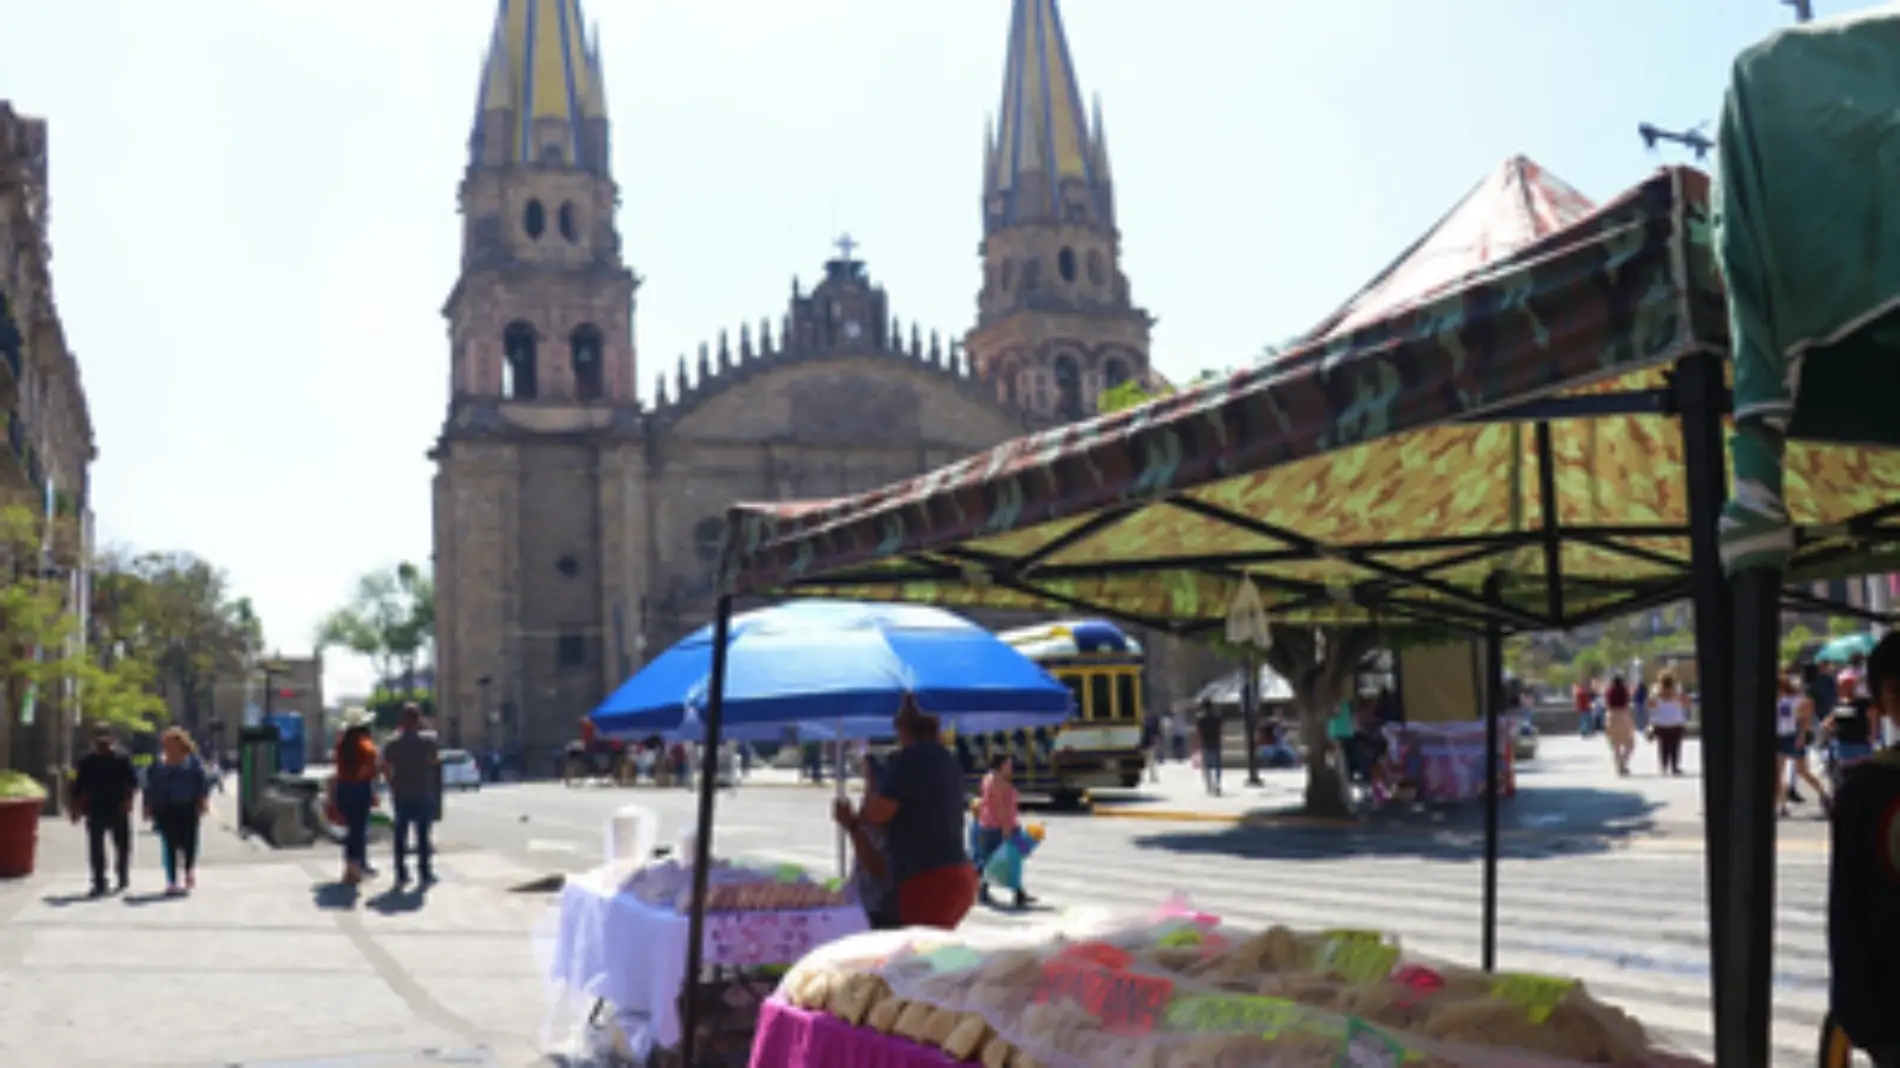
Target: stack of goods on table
1179 990
734 888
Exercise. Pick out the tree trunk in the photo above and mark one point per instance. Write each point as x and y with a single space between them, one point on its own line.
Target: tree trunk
1250 718
1328 794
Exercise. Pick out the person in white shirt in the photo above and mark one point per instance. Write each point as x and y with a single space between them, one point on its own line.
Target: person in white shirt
1668 722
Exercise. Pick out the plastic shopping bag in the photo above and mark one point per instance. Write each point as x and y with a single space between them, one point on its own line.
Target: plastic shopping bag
1026 839
1005 867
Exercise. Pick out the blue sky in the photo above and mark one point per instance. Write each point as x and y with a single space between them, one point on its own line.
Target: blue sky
254 200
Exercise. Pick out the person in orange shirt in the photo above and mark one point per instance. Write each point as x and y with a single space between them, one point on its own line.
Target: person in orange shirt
353 794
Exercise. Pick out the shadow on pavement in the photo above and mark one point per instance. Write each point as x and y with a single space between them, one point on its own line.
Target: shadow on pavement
393 902
335 895
151 897
60 901
1564 821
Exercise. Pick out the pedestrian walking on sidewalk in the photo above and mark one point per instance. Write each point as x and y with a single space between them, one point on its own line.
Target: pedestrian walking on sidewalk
1669 721
104 787
177 793
1619 724
997 815
412 766
353 792
1208 725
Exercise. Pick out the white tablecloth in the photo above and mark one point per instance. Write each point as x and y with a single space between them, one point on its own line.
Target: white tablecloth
614 947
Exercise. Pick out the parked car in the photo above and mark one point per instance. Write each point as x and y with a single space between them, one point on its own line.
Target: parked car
459 770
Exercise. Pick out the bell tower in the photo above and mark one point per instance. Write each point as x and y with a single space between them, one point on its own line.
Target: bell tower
1056 325
544 308
543 420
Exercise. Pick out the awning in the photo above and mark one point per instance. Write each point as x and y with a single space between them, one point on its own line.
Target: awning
1372 475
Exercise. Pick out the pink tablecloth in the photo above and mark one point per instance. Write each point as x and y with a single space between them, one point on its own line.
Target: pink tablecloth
790 1037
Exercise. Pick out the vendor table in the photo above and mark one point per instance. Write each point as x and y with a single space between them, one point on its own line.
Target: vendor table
617 949
790 1037
1445 761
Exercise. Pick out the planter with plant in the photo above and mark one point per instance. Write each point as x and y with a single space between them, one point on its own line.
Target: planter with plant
20 801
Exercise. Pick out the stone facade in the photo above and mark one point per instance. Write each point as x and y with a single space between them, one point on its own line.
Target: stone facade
49 447
576 529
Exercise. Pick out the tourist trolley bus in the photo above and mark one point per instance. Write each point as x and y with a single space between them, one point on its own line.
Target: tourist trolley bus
1100 747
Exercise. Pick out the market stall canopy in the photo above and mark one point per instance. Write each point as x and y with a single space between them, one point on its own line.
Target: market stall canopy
1383 473
841 667
1514 207
1808 236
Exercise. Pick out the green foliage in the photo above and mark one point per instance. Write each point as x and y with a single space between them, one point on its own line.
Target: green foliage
1792 642
390 621
386 706
15 786
1841 626
1127 395
170 622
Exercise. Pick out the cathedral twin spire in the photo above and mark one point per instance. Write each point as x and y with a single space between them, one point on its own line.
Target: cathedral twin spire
543 97
543 100
1044 156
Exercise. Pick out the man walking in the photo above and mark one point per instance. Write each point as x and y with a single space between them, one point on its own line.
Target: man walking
411 768
104 787
1208 725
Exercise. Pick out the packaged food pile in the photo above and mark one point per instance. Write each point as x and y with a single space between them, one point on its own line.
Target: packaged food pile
734 888
1178 990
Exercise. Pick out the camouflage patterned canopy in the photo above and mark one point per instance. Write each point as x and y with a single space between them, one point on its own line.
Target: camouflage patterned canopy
1371 475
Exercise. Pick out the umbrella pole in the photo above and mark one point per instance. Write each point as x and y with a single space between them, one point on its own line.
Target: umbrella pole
702 844
844 869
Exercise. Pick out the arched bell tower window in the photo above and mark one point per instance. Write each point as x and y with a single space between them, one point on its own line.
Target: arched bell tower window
1114 372
534 220
518 362
584 347
570 227
1065 264
1068 388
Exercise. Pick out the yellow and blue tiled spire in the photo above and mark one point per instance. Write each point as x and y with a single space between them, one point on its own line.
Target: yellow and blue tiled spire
1044 142
543 100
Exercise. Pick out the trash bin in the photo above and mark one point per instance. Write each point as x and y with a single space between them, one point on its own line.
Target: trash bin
257 766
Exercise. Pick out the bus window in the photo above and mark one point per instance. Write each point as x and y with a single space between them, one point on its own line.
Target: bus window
1126 701
1076 693
1101 696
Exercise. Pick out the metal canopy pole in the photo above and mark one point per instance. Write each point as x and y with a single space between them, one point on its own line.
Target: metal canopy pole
1494 710
1749 970
1700 395
702 843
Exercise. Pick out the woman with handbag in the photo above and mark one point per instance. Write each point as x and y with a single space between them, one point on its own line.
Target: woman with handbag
353 793
997 816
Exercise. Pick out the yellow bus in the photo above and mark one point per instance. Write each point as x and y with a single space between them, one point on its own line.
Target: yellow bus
1100 747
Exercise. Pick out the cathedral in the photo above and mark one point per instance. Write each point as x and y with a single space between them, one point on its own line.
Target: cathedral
576 527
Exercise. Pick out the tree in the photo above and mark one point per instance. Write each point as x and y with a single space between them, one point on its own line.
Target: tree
1320 666
175 612
40 648
390 622
1841 626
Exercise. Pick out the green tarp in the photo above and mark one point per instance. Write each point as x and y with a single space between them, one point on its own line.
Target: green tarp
1807 220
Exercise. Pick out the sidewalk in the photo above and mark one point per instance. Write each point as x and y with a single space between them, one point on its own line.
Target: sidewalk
1569 790
267 963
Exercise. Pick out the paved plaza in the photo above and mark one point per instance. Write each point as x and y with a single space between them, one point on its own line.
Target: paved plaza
270 968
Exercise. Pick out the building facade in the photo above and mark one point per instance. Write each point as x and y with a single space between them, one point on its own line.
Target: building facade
49 446
577 528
